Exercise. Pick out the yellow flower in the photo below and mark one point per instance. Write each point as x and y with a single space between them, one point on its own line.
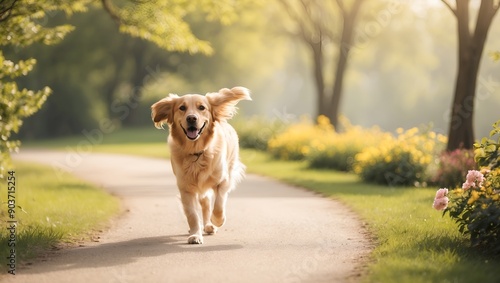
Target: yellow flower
305 150
442 138
474 196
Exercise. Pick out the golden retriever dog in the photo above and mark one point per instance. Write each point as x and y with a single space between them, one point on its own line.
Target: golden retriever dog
204 153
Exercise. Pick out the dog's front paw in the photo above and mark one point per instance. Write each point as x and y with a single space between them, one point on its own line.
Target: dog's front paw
195 239
210 229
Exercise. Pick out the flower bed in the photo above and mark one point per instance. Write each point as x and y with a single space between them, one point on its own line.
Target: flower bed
476 205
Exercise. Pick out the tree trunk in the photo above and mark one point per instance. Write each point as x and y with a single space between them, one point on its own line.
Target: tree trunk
334 105
470 50
137 81
345 46
321 103
461 128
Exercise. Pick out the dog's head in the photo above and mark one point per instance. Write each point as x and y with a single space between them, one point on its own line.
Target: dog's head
193 114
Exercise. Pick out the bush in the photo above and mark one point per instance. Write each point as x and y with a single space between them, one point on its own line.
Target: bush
256 132
453 167
338 153
476 205
296 141
401 160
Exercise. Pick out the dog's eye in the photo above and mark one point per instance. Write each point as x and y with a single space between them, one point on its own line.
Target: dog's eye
201 107
182 108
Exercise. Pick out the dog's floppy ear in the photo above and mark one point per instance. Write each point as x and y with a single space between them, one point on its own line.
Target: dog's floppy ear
162 111
224 102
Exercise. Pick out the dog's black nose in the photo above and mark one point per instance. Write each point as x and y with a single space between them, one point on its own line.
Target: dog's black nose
191 119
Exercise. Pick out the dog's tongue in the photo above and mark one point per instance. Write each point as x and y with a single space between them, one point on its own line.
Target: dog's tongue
192 133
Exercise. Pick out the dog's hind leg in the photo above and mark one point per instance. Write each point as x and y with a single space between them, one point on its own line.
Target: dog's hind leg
206 209
190 203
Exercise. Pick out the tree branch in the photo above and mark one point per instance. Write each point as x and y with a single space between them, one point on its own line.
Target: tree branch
296 18
110 9
454 11
6 9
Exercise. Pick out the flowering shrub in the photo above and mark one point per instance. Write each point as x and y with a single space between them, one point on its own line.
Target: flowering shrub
339 151
401 160
453 167
476 205
321 146
296 141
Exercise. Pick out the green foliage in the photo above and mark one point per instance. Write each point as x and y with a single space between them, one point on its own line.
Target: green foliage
163 22
99 74
15 104
476 206
487 152
256 132
23 26
80 98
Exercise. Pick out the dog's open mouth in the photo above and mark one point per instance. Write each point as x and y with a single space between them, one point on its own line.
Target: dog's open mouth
193 132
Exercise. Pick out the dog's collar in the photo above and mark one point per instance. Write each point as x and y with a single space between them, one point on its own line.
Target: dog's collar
198 154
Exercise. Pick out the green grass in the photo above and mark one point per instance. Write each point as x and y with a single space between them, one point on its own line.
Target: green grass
53 211
149 142
413 242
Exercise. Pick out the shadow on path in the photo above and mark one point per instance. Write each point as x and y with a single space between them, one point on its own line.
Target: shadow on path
120 253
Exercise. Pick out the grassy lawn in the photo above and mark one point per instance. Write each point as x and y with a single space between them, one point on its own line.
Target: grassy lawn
53 211
149 142
414 243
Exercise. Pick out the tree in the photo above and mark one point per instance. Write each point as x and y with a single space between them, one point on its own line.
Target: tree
470 50
24 23
19 27
15 104
316 28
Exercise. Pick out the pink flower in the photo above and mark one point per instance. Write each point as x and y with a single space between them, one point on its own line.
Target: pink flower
475 176
440 203
441 193
441 200
474 180
467 185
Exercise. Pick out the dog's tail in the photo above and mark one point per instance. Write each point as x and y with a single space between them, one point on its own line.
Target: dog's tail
237 173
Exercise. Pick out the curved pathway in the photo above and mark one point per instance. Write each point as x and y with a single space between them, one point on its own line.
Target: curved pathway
273 232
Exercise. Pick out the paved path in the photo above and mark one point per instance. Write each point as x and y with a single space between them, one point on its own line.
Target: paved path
273 232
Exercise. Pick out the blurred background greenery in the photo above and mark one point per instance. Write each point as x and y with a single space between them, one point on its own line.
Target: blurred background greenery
401 72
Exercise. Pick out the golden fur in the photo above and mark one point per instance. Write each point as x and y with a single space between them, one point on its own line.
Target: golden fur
204 153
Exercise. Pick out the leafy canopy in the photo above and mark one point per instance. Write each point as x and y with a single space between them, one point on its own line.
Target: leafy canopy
27 22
